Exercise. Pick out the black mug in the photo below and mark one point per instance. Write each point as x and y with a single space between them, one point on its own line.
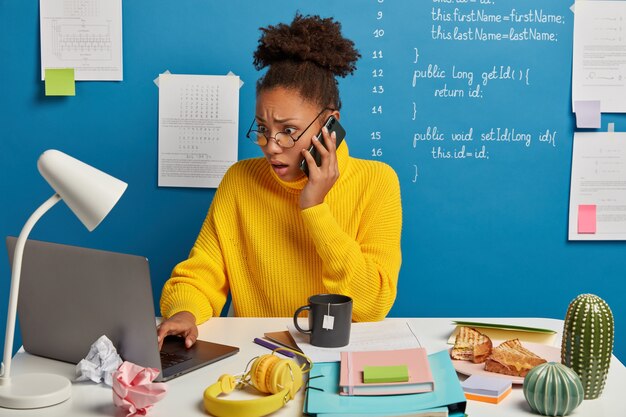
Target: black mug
330 316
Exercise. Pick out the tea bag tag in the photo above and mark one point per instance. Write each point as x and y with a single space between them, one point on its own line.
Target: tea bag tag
329 321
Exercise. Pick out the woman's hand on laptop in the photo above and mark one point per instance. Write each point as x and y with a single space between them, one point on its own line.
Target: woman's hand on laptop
181 324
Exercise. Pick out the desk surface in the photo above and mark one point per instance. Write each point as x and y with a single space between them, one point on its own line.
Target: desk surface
184 395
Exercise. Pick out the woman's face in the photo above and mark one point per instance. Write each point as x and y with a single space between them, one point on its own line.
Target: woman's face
284 110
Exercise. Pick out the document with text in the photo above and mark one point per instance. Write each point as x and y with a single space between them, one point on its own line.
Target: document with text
599 60
198 128
85 35
597 209
367 336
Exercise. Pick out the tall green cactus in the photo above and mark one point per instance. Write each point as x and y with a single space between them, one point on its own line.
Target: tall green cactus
588 341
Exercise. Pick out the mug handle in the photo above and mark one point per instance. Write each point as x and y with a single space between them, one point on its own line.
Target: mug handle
295 319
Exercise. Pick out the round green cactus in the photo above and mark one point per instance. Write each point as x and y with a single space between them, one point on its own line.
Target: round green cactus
588 342
552 389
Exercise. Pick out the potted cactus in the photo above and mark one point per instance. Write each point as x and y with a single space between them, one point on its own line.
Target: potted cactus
588 342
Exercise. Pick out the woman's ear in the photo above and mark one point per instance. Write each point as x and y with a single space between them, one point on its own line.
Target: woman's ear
336 114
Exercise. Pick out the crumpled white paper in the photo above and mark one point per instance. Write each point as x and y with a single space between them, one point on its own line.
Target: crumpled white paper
100 363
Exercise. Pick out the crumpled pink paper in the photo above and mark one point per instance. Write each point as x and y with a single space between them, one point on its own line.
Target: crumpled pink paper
133 389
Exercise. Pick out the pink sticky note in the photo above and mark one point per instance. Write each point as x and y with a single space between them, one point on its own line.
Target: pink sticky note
587 218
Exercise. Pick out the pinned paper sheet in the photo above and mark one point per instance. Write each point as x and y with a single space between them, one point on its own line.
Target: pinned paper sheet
230 73
587 218
587 114
60 82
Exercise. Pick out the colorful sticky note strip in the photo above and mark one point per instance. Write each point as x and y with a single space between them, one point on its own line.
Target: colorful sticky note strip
60 82
486 385
587 218
486 388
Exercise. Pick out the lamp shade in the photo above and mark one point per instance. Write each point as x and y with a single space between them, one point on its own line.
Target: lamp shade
88 192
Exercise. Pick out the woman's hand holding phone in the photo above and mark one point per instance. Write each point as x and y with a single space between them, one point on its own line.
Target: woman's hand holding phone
323 177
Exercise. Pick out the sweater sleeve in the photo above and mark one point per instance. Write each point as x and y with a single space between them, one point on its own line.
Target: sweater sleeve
199 283
366 267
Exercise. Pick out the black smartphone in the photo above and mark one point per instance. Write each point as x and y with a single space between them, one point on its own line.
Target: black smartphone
332 125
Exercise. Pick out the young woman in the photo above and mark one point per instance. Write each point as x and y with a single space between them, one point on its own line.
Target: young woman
273 236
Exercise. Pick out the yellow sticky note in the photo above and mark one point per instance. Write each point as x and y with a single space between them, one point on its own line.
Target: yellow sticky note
60 82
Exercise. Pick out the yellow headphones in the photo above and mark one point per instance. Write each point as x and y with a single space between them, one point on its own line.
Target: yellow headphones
270 375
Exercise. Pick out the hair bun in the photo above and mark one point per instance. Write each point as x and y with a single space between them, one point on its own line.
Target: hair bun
307 38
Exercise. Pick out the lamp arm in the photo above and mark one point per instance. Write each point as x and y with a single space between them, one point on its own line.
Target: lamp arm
5 371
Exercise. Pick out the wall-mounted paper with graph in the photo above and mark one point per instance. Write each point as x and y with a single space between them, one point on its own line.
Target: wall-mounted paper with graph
198 128
82 34
597 209
599 61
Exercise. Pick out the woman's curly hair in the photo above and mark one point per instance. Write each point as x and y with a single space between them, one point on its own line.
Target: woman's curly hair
306 56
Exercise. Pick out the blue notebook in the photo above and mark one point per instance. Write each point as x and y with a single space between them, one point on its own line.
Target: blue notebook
322 395
439 411
428 412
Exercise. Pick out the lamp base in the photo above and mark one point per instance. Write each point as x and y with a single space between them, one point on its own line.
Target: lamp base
35 391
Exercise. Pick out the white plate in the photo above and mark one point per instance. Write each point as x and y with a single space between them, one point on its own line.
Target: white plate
549 353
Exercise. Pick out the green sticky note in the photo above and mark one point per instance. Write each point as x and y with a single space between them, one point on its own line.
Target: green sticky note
60 82
379 374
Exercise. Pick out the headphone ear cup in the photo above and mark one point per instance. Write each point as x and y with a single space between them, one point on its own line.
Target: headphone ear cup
261 369
287 374
227 383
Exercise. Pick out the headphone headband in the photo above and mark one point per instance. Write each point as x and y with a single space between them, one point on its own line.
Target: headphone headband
269 374
220 407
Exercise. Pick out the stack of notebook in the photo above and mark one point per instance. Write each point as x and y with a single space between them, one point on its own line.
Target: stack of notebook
445 398
402 371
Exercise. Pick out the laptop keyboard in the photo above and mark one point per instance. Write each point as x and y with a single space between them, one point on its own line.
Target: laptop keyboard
171 359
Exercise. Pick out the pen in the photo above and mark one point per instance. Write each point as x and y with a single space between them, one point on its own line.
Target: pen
272 346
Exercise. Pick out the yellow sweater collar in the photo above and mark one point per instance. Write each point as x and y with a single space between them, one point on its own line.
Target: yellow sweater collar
343 155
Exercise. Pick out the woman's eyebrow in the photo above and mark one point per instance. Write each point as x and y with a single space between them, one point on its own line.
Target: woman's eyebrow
288 119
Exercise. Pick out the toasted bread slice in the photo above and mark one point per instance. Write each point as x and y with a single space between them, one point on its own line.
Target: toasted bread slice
511 358
471 345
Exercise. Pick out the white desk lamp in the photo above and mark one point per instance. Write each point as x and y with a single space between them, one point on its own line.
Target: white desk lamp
90 194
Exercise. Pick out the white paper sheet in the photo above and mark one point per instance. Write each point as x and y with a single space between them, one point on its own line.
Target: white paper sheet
599 178
599 60
381 335
198 127
82 34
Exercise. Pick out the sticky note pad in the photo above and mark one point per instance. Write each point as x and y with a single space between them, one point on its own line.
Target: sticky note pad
587 218
378 374
486 385
60 82
588 113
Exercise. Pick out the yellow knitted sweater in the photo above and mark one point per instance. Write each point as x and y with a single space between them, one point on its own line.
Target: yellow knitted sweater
272 255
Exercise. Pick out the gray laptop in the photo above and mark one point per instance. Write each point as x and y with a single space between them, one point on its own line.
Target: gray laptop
70 296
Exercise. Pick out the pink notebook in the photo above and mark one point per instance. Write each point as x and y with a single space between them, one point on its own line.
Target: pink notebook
351 373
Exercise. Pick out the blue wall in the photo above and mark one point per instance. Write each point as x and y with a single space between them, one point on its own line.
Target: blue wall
484 235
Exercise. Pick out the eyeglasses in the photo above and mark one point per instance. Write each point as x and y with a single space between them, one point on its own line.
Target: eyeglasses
284 139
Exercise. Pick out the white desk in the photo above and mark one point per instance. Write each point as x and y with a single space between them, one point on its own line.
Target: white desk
184 397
